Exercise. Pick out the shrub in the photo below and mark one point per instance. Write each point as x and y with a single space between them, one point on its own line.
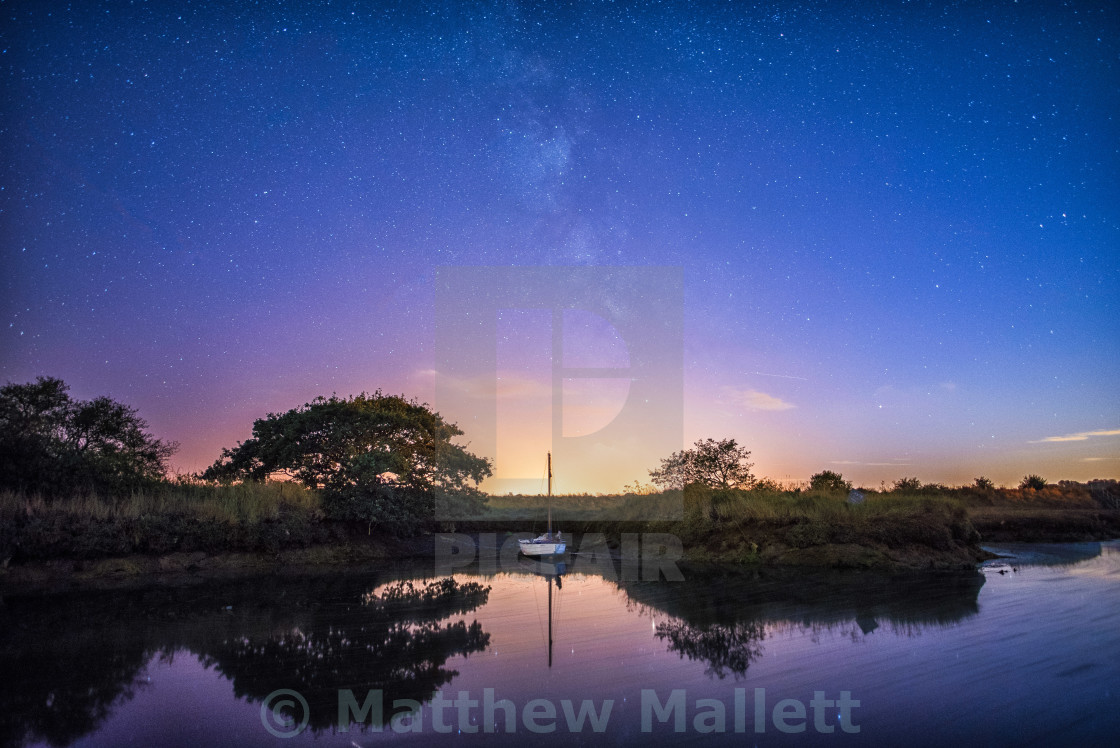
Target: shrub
907 484
766 485
828 480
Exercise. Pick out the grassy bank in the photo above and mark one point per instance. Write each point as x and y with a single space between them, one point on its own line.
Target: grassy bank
780 528
163 519
1032 524
822 529
930 526
1062 512
185 527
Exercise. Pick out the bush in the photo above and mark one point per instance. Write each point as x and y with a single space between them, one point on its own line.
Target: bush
907 484
828 480
766 485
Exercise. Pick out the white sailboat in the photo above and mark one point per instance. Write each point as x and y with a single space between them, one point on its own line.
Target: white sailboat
547 544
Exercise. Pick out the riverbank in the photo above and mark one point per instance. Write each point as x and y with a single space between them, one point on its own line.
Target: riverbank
379 553
250 531
1029 524
187 568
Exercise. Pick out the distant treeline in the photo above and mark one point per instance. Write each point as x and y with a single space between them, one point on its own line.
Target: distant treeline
85 479
1102 493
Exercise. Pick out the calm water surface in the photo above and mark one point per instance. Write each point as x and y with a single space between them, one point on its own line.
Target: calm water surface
1025 651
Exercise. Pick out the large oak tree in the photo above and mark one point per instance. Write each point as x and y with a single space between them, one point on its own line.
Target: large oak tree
378 458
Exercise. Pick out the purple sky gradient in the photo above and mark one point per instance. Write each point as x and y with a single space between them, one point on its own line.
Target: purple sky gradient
898 224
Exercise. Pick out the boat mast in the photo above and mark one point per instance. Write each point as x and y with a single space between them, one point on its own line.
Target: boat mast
550 621
550 496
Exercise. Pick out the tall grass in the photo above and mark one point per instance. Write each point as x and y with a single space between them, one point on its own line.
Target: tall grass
165 518
743 525
757 525
565 508
240 503
722 506
819 506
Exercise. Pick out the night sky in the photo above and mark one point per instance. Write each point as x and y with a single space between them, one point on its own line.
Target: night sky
898 224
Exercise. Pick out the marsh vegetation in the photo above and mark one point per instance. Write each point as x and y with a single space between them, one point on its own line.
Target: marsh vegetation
85 480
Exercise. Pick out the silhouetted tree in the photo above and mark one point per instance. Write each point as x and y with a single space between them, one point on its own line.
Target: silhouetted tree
766 485
377 458
718 464
1033 482
53 445
907 484
828 480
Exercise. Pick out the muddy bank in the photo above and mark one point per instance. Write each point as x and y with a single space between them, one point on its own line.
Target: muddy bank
849 555
1044 525
177 569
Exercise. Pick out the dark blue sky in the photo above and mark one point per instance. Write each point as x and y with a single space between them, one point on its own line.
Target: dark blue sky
898 223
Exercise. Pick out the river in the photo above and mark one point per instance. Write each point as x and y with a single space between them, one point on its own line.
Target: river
1023 651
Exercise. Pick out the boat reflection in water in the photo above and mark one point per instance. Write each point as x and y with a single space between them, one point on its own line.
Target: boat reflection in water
553 571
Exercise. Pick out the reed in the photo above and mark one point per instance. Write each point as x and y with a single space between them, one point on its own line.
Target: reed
164 518
244 502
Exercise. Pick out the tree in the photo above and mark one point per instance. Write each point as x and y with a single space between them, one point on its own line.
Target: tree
907 484
828 480
1033 482
376 458
983 484
53 445
766 485
722 464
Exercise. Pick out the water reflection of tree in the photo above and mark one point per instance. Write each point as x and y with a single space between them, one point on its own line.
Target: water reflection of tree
395 642
720 617
69 661
44 701
727 648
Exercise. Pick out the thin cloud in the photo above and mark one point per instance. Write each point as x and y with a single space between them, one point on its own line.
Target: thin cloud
780 376
503 385
517 387
755 400
1078 437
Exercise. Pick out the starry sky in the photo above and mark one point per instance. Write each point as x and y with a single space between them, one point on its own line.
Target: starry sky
896 224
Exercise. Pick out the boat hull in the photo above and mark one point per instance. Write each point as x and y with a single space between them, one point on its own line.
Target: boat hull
534 548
